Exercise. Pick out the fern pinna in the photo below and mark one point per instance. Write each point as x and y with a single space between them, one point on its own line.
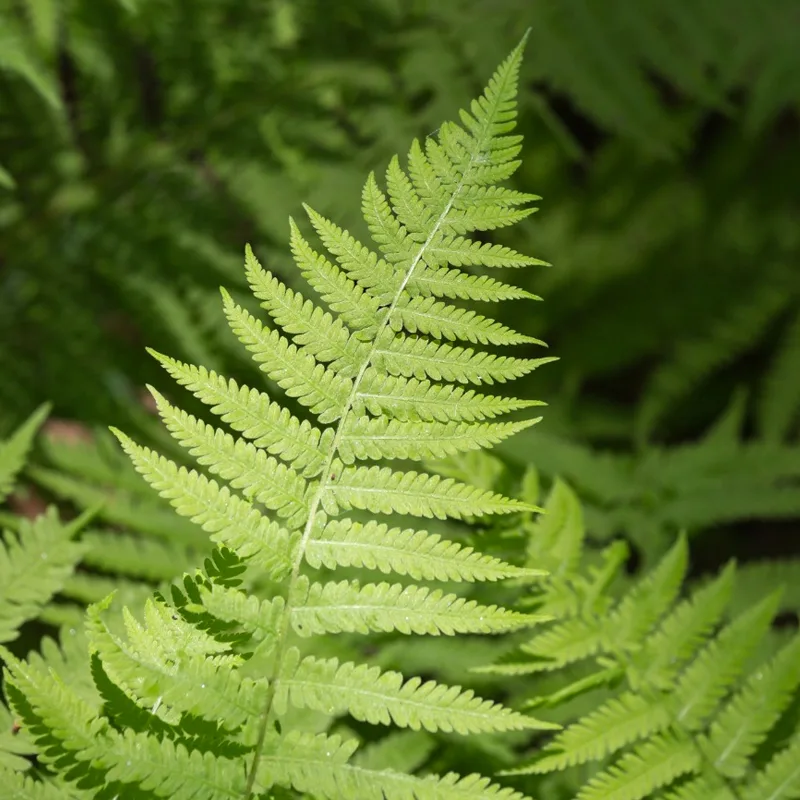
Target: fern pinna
203 700
682 700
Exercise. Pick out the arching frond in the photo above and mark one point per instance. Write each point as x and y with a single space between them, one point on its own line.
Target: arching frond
202 696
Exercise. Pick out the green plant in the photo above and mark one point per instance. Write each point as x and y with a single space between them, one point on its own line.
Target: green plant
38 555
211 696
662 696
37 558
697 487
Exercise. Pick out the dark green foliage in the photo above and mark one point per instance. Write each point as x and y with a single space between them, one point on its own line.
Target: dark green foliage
157 137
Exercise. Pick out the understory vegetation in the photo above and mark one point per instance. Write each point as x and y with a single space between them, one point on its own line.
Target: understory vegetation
444 495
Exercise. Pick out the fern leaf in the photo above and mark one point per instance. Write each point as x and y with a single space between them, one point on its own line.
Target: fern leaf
35 563
780 778
704 682
409 399
365 438
750 715
326 338
348 606
240 463
354 306
318 764
685 629
381 490
21 787
647 602
211 690
616 723
458 285
295 370
162 664
443 321
559 532
415 357
336 688
168 769
648 767
14 450
564 643
254 415
416 553
61 724
231 521
366 268
680 716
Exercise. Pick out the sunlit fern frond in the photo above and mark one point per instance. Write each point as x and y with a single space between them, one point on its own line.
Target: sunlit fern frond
201 698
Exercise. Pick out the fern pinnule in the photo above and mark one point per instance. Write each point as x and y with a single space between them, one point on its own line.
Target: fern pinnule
377 373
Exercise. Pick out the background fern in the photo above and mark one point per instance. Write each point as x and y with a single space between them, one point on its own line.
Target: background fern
661 696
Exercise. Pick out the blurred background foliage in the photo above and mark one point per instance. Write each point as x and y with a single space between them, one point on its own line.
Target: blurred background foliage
143 142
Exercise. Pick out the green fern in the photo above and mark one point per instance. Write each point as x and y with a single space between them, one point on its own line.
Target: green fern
219 678
681 700
718 479
39 555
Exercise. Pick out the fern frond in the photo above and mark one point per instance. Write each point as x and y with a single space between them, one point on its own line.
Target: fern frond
21 787
366 438
14 450
318 764
780 778
293 368
706 680
648 767
35 563
750 715
443 321
232 521
240 463
254 415
162 664
685 704
458 285
347 687
384 491
354 306
416 357
409 399
619 722
214 689
324 337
